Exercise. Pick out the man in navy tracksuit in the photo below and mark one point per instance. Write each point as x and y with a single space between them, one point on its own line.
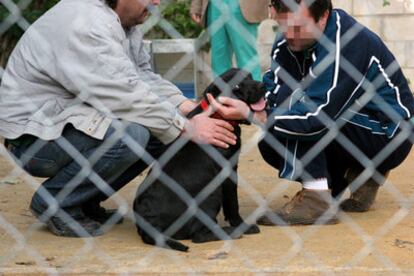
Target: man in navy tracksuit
338 104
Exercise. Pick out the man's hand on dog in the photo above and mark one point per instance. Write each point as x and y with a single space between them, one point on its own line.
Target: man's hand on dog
205 130
233 109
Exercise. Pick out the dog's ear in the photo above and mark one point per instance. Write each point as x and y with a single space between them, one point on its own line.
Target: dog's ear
236 73
212 89
230 74
226 77
233 75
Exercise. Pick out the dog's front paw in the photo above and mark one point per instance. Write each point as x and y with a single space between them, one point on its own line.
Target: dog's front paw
252 229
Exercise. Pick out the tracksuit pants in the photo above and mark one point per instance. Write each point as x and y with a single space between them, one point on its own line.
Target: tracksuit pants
302 160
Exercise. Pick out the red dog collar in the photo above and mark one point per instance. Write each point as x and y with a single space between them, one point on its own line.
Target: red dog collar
204 104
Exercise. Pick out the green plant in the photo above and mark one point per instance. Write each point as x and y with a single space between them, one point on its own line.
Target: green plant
9 38
177 13
386 3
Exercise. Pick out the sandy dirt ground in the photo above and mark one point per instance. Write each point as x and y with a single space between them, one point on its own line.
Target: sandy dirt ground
378 242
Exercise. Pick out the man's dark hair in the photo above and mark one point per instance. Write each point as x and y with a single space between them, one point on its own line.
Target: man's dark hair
316 7
112 3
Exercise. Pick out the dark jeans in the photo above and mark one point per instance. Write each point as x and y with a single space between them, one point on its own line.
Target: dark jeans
81 169
333 160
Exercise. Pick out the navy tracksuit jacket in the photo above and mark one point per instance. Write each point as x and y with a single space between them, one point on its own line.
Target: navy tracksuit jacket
349 77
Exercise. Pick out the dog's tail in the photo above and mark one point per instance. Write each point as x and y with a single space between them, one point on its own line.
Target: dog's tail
166 242
176 245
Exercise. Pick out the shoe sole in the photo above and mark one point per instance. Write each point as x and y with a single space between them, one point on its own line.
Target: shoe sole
52 228
353 206
38 215
119 219
289 222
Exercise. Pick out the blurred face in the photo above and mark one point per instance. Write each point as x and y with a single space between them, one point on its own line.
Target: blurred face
134 12
299 27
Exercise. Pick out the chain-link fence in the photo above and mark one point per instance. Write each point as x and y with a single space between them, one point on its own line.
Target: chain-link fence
186 186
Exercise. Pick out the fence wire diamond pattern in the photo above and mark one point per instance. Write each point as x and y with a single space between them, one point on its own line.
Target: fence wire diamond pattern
353 245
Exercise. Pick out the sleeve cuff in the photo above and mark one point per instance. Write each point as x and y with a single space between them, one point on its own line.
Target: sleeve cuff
174 130
176 100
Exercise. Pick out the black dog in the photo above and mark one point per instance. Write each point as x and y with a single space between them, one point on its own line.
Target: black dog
165 214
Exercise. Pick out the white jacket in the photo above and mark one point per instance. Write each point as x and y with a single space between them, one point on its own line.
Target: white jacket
76 64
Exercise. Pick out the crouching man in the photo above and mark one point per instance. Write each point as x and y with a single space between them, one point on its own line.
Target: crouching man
80 106
338 103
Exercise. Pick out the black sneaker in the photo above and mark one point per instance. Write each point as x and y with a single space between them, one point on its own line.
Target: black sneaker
70 223
97 213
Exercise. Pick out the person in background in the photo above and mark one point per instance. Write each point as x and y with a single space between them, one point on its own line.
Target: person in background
232 26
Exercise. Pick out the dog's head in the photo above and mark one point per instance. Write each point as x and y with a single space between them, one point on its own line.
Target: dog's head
239 84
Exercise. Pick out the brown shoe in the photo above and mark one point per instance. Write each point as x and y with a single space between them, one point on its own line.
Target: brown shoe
306 207
362 198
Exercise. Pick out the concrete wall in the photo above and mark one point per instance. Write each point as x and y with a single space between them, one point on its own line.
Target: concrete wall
392 23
